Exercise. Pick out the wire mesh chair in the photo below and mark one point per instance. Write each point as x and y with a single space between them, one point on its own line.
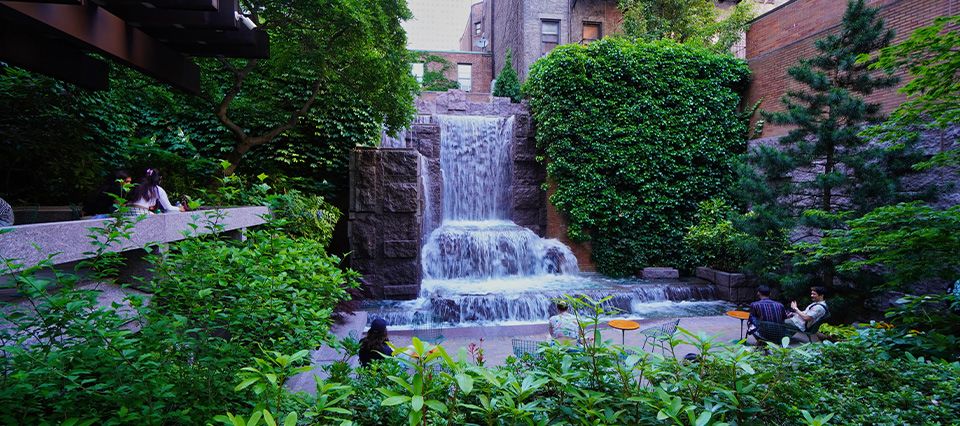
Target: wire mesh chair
527 350
428 331
770 331
659 336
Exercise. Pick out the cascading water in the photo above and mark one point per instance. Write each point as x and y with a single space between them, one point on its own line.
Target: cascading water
476 239
479 266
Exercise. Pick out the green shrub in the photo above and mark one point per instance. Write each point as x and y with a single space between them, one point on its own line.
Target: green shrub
270 290
862 380
173 360
713 241
508 85
635 135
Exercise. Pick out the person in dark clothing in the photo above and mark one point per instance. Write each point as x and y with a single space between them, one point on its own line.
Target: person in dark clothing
765 309
100 202
374 346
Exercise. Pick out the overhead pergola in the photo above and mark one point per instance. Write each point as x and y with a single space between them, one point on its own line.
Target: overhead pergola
157 37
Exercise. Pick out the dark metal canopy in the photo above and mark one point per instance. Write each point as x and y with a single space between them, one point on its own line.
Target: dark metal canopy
157 37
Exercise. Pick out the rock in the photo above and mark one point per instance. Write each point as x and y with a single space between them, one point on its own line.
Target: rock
660 273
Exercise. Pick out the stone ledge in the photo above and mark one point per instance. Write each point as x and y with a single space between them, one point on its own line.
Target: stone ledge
660 273
69 240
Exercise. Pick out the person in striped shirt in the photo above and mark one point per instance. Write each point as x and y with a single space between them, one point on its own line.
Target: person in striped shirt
765 309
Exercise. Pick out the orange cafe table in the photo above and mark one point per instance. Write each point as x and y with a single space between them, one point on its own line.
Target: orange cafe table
740 315
623 326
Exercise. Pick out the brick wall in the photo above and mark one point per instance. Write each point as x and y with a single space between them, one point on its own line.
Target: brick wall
605 12
468 40
481 70
505 19
778 39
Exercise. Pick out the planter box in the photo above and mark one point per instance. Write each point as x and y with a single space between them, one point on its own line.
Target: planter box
733 287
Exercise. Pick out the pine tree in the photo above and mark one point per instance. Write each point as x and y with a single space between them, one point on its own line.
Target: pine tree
508 85
823 167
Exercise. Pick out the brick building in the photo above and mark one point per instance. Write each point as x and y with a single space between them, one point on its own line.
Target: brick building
473 70
779 38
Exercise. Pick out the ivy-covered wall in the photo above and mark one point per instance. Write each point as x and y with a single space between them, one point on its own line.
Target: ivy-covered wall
635 135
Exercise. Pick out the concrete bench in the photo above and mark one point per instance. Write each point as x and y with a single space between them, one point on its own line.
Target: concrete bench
30 244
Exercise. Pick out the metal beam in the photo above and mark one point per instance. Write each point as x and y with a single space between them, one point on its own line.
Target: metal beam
210 5
95 28
54 58
142 17
260 47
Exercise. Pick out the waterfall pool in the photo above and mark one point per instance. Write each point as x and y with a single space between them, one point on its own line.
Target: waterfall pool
530 300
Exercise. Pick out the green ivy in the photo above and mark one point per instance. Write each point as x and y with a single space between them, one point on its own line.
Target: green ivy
636 135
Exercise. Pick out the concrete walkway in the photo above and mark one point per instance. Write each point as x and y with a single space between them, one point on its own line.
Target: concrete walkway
496 340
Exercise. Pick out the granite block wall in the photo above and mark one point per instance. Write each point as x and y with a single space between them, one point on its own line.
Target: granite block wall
385 221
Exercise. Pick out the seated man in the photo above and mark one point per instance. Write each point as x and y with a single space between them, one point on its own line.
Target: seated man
564 325
814 312
765 309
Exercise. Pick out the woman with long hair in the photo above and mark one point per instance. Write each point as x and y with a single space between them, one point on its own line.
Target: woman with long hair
147 193
374 346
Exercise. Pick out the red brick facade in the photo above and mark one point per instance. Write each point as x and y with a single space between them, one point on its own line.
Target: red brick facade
778 39
481 70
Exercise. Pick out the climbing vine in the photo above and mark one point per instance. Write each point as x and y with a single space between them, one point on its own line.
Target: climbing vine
635 136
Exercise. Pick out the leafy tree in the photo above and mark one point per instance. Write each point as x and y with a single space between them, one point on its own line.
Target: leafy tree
318 48
823 164
508 84
909 241
930 57
435 69
686 21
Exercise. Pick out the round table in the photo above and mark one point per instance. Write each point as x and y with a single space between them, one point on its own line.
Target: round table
623 326
740 315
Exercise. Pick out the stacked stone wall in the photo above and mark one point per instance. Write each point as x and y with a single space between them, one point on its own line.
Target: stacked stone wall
385 221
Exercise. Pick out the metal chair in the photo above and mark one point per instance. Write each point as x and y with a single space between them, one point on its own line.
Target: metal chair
529 348
660 335
429 332
769 331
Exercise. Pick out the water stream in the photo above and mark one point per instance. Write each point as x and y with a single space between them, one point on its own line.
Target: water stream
479 267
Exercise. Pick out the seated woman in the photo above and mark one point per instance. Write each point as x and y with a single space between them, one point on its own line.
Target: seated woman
564 325
374 346
147 193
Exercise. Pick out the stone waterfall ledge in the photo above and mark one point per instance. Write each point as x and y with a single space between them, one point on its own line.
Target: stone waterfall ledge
67 241
733 287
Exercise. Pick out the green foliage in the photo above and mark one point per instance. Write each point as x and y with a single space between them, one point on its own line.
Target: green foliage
270 289
317 47
713 241
930 57
697 22
172 360
635 135
508 84
435 69
845 171
909 242
864 379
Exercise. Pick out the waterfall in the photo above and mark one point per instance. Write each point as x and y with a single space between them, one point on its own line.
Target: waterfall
476 239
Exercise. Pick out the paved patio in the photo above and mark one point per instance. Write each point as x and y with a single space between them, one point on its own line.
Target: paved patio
496 342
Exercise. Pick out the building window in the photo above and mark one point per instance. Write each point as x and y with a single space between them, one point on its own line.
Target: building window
465 76
549 35
477 28
592 31
417 70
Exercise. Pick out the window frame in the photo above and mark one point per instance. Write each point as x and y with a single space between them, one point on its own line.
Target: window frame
544 42
469 78
586 24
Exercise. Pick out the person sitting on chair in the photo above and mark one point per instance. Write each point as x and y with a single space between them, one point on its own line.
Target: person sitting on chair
765 309
564 325
374 346
814 312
